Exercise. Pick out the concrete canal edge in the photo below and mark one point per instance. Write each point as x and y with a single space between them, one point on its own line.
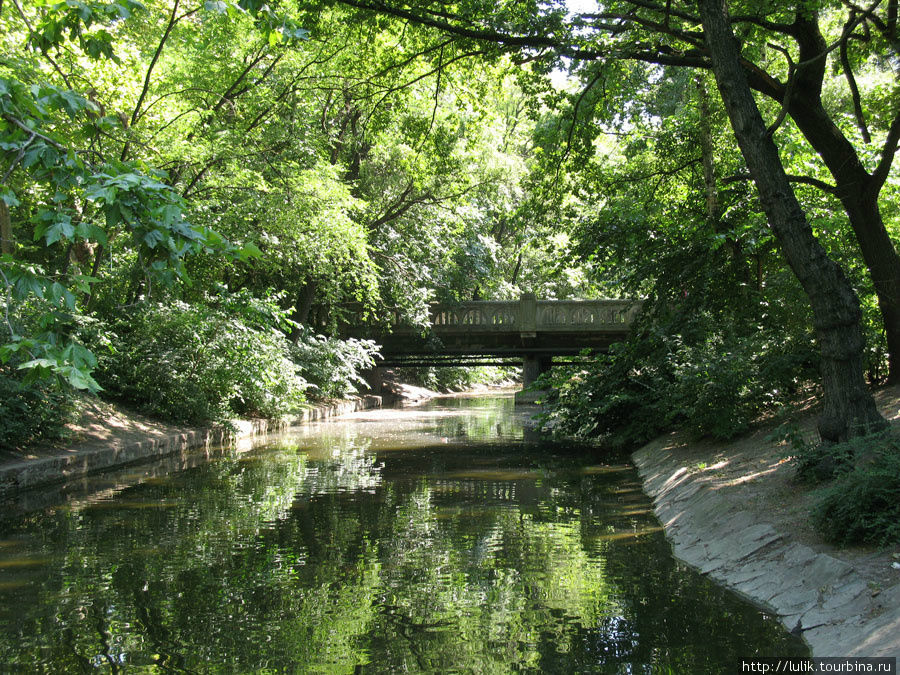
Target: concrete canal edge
79 460
814 594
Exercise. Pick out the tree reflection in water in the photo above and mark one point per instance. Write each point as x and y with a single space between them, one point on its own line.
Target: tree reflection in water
432 541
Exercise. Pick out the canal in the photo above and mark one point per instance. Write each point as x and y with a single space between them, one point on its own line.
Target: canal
443 538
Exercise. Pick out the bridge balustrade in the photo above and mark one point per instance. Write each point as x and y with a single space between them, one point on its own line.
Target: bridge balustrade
530 315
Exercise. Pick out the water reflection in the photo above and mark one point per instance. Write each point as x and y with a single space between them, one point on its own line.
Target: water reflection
414 540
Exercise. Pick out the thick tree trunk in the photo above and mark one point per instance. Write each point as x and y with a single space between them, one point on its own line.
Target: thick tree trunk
858 192
849 408
857 189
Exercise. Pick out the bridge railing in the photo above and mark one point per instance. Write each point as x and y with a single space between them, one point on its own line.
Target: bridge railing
585 315
528 315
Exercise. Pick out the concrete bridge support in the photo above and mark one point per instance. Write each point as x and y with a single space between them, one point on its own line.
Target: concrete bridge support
532 368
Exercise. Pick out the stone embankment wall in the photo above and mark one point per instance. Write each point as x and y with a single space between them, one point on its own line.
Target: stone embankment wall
81 459
822 598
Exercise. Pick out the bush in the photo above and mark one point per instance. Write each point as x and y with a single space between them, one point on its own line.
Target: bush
711 382
453 378
608 397
862 505
198 363
32 412
816 461
333 367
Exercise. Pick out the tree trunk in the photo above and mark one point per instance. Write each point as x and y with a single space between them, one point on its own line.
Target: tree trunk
858 193
849 408
857 189
6 237
305 300
713 212
713 205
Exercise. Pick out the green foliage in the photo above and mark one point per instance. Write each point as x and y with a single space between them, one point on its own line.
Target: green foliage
858 501
610 398
32 411
197 363
458 378
40 314
815 461
84 204
701 378
333 367
862 504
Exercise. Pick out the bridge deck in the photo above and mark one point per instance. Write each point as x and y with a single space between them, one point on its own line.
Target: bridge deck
526 328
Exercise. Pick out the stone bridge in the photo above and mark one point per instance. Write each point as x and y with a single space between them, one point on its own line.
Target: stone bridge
527 331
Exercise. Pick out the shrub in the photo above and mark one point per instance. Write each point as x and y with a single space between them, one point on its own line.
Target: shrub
816 461
609 397
333 367
862 505
711 382
198 363
31 412
457 378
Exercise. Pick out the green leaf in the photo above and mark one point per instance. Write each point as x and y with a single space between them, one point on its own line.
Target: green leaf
79 379
90 232
153 237
8 196
60 230
37 363
249 251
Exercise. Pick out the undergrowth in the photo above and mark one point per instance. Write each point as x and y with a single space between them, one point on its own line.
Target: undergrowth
858 501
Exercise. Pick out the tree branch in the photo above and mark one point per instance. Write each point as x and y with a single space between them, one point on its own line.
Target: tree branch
889 149
24 127
506 40
854 90
19 157
136 113
47 56
803 180
431 72
788 90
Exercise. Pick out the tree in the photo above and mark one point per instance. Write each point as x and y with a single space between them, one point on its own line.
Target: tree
667 35
849 409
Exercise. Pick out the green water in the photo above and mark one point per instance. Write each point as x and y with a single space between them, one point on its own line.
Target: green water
438 539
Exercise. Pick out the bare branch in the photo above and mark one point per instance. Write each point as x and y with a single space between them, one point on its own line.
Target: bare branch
889 149
854 90
788 90
803 180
